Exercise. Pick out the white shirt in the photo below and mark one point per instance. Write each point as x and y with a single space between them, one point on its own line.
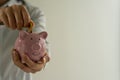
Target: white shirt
9 71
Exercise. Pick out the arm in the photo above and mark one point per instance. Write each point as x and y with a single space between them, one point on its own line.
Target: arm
29 65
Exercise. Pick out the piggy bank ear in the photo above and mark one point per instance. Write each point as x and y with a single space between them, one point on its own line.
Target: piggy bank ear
43 34
23 34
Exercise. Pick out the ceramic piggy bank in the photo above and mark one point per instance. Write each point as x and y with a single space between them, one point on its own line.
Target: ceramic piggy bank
32 44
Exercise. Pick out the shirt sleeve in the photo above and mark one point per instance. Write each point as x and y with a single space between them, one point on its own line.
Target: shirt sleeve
40 23
39 19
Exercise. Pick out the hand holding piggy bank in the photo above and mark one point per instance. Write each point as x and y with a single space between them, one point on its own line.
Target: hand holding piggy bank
32 44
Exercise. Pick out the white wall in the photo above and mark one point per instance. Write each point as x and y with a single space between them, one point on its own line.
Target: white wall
84 37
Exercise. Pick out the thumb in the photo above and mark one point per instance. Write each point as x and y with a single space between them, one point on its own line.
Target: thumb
42 60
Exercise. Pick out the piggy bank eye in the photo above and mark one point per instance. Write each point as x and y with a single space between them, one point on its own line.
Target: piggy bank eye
39 39
31 38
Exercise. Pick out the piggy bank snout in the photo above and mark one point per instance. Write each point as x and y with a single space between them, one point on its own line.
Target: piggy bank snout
36 47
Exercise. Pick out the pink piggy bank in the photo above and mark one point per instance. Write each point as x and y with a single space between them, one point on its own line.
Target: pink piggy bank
32 44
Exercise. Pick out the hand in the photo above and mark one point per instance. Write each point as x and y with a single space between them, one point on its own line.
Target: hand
15 17
28 65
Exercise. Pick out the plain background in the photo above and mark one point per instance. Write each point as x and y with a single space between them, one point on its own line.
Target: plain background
84 39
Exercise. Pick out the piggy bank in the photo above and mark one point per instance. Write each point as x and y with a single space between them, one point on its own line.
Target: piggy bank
31 44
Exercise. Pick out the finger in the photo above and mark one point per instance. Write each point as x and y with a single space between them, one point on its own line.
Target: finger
27 60
23 67
25 15
15 56
1 13
11 17
18 17
3 17
43 60
31 64
17 62
36 70
46 56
